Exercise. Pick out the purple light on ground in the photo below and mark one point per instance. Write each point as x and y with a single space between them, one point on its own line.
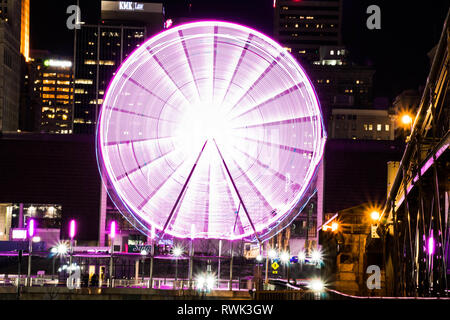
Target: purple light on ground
72 229
232 88
31 228
431 245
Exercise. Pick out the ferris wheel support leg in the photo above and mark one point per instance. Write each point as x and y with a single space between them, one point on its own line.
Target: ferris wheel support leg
181 192
238 194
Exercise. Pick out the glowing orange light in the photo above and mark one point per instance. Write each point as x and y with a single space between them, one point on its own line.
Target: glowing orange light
406 119
334 226
375 215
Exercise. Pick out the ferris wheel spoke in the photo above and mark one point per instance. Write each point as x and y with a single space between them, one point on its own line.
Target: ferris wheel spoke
112 143
280 146
141 86
271 99
138 114
267 167
158 188
243 52
216 30
182 190
167 74
256 82
188 58
279 122
142 166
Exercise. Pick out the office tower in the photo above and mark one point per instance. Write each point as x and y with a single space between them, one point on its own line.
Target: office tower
9 65
304 26
53 89
100 49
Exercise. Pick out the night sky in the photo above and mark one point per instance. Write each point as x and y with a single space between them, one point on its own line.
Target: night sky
398 52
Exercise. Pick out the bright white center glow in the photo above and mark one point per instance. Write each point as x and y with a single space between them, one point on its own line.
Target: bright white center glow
259 258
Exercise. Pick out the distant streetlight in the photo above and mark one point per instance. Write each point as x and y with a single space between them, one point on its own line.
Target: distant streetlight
177 252
406 119
31 232
375 215
284 257
316 257
334 226
272 253
316 285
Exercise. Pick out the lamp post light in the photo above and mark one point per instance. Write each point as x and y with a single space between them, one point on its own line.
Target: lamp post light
271 254
144 253
301 258
31 231
284 257
177 252
72 232
152 254
112 235
316 257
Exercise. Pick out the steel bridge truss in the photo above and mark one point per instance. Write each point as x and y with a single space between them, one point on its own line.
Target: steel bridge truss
415 222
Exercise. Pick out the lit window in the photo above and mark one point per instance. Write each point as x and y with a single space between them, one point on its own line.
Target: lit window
378 127
332 52
386 127
370 127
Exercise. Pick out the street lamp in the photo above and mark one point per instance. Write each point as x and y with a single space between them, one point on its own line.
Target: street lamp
144 253
31 231
406 119
271 254
316 257
112 235
72 232
375 215
177 252
284 257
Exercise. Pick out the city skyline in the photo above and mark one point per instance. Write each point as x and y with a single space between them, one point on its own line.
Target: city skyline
391 51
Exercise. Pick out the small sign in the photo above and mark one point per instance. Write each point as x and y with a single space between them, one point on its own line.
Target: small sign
275 265
275 272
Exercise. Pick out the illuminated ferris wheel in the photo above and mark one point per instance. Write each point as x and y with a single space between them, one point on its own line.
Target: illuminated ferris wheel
209 130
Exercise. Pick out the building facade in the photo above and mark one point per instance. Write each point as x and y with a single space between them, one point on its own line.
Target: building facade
365 124
53 89
303 26
100 50
10 17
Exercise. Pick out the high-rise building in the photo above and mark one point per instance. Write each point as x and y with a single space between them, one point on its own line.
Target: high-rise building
303 26
53 89
25 29
10 17
100 49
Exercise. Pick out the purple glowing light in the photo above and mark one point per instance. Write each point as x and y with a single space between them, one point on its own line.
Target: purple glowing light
431 245
72 229
31 228
205 114
112 230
